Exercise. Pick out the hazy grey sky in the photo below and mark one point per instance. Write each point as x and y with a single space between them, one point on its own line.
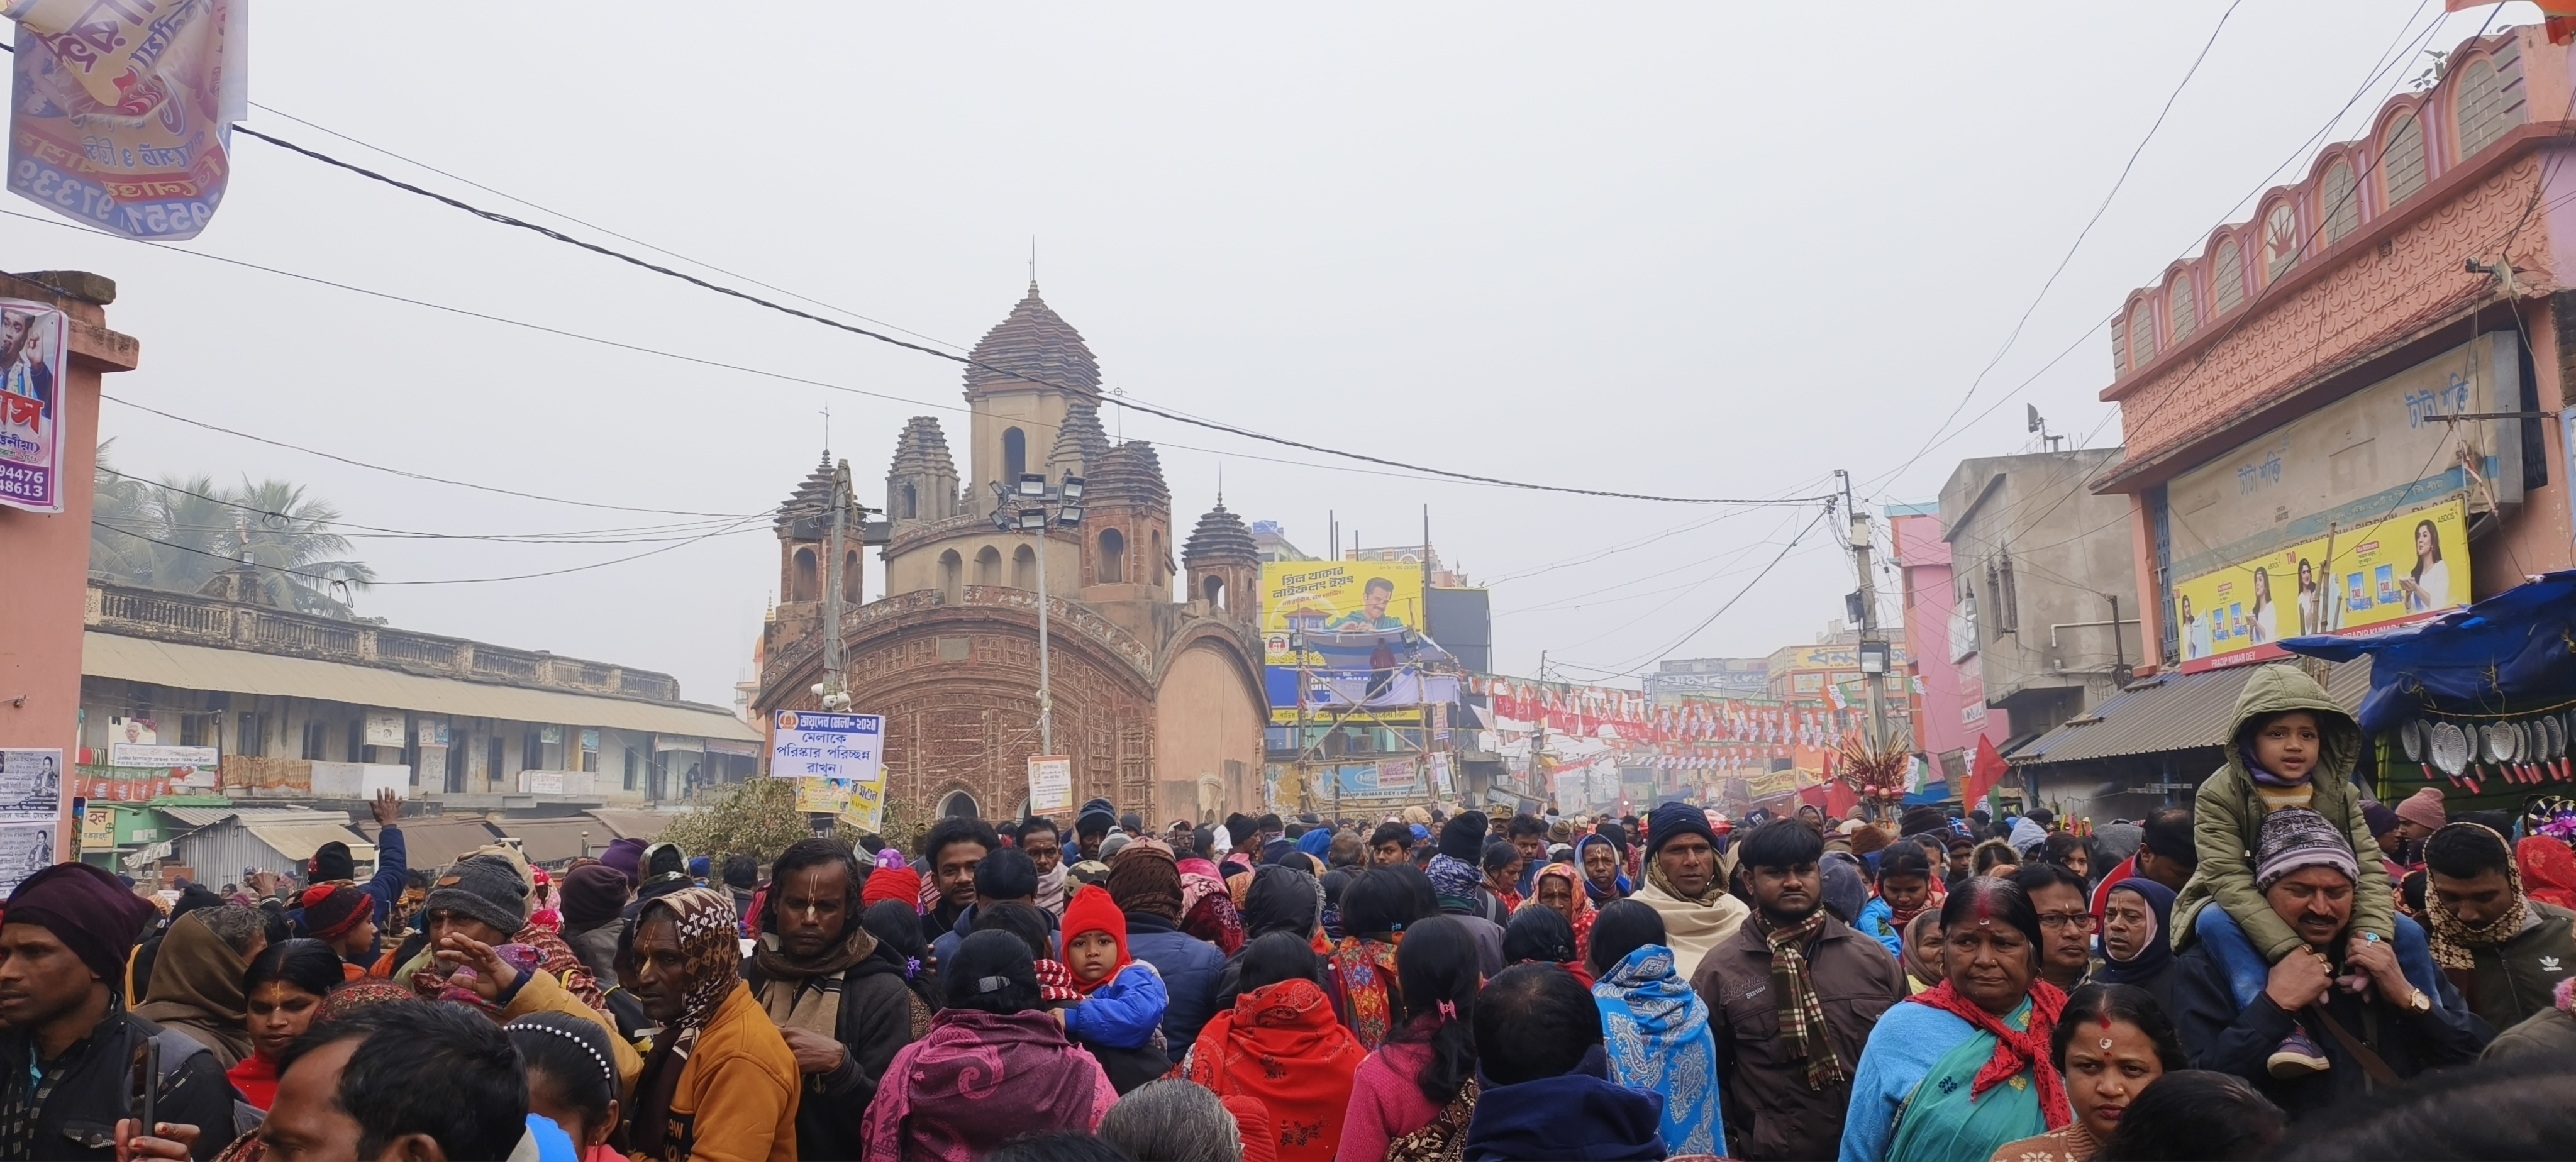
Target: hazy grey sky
1697 249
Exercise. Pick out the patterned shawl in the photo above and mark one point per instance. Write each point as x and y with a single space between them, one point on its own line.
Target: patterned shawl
1584 912
1364 970
707 925
980 1079
1280 1045
1655 1029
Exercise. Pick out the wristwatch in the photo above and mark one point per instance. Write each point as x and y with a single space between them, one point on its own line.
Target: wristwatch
2417 1003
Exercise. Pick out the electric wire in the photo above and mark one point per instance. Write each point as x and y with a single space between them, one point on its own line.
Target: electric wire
379 584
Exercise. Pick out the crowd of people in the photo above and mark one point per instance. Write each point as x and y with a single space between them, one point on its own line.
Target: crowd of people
2281 968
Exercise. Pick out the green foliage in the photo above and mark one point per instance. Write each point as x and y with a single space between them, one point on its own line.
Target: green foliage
178 533
757 815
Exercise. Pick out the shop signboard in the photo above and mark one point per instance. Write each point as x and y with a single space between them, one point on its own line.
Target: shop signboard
122 754
2404 567
1336 597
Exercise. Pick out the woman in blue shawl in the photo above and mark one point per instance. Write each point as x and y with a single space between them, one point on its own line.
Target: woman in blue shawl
1962 1068
1655 1028
1602 879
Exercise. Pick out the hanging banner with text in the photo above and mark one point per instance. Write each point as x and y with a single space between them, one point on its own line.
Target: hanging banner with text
33 337
123 112
807 745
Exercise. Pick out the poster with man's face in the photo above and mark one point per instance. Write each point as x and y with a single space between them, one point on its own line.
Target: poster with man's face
31 785
32 340
25 849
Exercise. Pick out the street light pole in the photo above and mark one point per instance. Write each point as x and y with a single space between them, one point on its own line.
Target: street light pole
1033 506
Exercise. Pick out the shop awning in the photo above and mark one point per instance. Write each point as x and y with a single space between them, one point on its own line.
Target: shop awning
2517 647
631 824
433 842
2169 712
188 667
556 840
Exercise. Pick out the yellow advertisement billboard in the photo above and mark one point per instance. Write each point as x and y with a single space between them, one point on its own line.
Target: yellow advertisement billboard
1335 596
2406 566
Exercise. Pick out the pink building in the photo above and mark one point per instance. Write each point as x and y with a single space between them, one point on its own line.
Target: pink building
1941 638
2349 411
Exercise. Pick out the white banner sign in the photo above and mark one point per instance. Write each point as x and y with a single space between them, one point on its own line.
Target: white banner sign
1050 784
832 746
126 754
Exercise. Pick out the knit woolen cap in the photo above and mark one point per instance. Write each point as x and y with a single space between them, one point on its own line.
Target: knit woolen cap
1144 879
2424 809
330 910
2294 838
485 888
1672 820
1462 838
85 908
593 894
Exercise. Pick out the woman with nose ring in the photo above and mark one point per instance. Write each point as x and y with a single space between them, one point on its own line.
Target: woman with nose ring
2111 1043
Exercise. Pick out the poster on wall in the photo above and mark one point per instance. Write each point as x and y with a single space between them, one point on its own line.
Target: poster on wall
31 784
2404 567
385 728
33 338
25 849
123 111
1050 784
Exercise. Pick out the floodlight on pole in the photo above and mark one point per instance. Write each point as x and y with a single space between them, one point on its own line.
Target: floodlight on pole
1069 515
1072 488
1032 484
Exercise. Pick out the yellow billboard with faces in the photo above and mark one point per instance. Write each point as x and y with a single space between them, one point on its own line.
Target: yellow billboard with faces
2406 566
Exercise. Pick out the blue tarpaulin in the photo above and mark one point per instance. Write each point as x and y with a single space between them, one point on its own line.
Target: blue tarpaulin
2512 650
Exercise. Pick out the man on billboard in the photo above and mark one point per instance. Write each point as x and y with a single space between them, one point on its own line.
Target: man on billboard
1371 615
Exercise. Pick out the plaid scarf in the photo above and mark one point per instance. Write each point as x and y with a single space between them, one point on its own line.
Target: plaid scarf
2453 939
1793 996
2015 1050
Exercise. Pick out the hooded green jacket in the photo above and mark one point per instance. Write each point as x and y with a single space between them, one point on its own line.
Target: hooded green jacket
2228 814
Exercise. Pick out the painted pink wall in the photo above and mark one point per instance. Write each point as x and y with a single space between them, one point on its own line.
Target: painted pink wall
44 559
1930 595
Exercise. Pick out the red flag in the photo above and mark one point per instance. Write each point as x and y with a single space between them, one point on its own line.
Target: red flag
1989 770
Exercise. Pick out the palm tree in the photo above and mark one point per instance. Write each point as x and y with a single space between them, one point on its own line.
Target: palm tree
179 533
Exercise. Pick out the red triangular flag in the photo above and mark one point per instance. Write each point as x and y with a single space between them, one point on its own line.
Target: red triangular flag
1989 770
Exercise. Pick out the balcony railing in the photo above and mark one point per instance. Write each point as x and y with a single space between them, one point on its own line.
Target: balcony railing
182 617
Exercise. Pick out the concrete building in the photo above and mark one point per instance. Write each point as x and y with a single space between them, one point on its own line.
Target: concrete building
1156 667
1941 640
2046 598
189 694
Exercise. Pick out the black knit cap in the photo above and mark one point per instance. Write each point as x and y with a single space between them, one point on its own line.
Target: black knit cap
1675 819
1462 838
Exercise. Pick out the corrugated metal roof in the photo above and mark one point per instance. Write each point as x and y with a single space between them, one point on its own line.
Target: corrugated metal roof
556 840
644 825
298 841
433 841
188 667
208 816
2169 712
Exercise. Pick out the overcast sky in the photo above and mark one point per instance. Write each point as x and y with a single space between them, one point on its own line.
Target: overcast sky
1691 249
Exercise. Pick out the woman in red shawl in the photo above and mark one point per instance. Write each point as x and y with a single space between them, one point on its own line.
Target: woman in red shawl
2548 869
1281 1046
1559 886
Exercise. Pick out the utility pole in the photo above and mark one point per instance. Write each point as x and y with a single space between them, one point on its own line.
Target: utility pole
835 694
1870 643
1033 506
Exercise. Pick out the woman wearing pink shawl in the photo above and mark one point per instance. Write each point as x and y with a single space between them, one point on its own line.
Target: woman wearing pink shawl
993 1067
1208 910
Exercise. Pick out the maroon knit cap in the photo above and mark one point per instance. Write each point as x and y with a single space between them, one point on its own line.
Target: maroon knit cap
330 910
85 908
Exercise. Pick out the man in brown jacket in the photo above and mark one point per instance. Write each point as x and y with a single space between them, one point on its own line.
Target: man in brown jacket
1791 998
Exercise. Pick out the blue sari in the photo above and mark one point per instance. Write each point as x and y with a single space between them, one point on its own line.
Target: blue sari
1910 1096
1655 1030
